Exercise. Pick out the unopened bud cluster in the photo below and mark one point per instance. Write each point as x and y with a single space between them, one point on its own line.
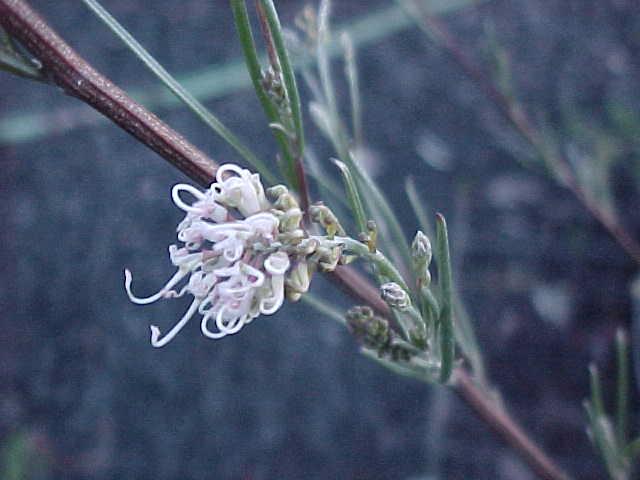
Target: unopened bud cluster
375 333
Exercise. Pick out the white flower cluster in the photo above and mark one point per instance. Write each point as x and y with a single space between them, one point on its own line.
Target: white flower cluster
236 267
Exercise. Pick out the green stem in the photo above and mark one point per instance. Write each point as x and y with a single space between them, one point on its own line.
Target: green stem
287 72
382 263
243 27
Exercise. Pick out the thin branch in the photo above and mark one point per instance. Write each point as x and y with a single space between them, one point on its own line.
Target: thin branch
520 121
64 67
503 425
68 70
202 112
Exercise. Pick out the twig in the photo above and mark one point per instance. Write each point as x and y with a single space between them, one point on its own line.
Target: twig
504 425
64 67
72 73
521 122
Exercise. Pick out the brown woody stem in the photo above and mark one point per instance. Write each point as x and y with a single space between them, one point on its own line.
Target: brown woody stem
513 113
501 423
65 68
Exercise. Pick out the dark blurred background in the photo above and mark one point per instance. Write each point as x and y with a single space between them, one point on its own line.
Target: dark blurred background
84 395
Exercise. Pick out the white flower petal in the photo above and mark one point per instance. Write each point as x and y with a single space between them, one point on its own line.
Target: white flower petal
156 341
179 275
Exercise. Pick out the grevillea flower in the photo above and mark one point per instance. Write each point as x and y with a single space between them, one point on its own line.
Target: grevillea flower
234 267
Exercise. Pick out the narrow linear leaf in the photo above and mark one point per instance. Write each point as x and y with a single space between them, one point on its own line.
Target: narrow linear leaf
447 342
287 73
597 401
351 72
12 61
463 326
17 65
417 204
632 450
218 80
353 195
245 34
179 91
330 190
622 394
602 438
381 210
324 307
340 140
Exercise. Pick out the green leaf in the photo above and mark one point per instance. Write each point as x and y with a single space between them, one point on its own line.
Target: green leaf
353 195
287 73
463 326
243 27
351 72
389 225
622 391
632 450
443 259
597 401
324 307
12 61
15 457
179 91
220 80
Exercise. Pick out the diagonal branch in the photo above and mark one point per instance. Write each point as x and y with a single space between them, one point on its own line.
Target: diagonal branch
65 68
517 117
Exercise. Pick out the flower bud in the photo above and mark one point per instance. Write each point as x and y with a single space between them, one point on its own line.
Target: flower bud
371 330
421 255
421 249
321 214
283 200
395 296
298 281
375 333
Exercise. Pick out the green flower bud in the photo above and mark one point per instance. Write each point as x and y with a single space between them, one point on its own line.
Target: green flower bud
421 255
321 214
298 281
421 249
283 200
375 333
372 331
